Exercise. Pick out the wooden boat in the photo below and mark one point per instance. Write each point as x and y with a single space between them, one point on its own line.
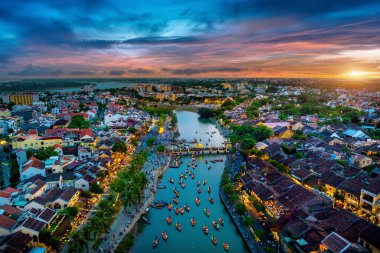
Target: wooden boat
169 220
207 212
226 246
192 221
187 208
211 200
177 194
204 182
183 185
213 240
221 221
215 225
176 211
199 190
197 201
164 235
170 206
181 210
209 167
161 187
205 229
175 201
192 176
175 190
155 242
171 180
178 226
198 183
146 220
206 161
188 164
185 176
209 190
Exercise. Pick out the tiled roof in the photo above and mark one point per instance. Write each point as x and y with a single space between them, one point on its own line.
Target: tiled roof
336 243
33 224
47 214
6 222
68 193
11 209
16 242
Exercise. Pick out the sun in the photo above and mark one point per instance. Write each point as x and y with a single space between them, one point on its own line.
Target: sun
356 73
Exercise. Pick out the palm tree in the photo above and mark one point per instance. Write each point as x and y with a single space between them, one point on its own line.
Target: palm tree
77 242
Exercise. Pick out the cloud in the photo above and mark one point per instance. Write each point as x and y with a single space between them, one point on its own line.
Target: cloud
140 71
193 71
82 73
116 72
101 44
32 70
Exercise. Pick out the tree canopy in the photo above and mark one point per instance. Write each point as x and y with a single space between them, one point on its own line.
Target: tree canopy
79 122
119 147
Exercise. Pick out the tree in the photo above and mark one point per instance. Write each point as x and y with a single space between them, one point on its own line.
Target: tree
96 188
119 147
132 130
240 209
46 153
77 242
206 113
248 221
150 142
79 122
161 148
71 212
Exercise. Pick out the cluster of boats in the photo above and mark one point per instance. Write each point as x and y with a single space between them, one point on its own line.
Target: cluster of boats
179 209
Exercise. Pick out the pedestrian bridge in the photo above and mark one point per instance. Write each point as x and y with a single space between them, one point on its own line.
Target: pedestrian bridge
201 151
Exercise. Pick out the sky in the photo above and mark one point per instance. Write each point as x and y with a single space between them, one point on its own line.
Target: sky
188 39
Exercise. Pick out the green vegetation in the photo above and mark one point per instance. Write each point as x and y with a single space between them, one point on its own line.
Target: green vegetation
71 212
240 209
119 147
248 221
126 244
14 171
150 142
252 110
158 111
161 148
46 153
161 120
96 188
207 113
79 122
248 135
339 113
130 182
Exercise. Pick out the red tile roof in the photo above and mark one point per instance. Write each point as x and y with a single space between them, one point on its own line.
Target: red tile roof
6 222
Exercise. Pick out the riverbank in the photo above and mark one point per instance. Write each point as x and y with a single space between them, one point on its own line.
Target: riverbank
155 165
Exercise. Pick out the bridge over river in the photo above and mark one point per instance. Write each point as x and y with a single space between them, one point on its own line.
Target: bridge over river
200 150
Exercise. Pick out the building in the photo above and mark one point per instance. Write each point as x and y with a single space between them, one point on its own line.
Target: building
35 142
21 98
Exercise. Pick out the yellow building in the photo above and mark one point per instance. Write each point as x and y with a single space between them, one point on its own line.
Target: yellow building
35 142
21 98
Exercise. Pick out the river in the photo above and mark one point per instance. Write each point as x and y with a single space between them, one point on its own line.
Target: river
191 239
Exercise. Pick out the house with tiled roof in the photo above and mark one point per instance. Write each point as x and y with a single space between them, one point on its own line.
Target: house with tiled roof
31 226
35 189
16 243
32 167
47 215
7 195
7 225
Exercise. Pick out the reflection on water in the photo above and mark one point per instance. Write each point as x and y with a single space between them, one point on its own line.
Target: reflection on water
191 239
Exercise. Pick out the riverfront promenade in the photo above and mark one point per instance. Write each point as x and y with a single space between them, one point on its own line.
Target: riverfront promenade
155 165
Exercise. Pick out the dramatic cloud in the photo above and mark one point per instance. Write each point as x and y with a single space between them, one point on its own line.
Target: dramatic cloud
267 38
32 70
116 72
202 70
